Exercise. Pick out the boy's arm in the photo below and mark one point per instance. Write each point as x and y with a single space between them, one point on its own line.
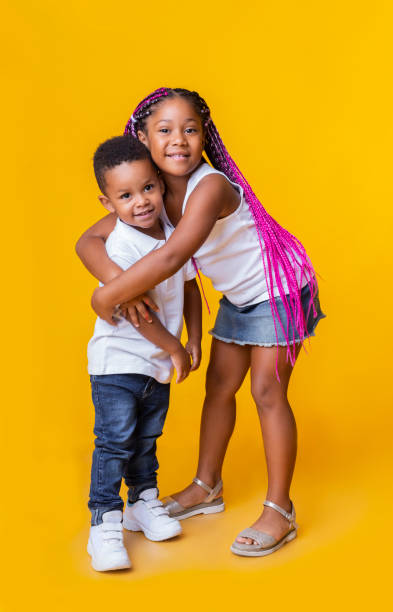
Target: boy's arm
193 318
156 333
91 250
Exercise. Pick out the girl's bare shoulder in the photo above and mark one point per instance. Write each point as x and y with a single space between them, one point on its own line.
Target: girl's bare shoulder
215 186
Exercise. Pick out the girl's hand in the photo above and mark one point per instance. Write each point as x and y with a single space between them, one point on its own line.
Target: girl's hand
137 306
193 347
182 363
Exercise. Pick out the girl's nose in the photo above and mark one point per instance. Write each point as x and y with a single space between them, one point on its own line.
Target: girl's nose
178 137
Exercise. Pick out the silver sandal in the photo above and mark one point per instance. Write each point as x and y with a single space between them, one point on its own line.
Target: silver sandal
266 544
210 505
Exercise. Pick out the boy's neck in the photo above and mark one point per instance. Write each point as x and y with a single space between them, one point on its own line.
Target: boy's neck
156 231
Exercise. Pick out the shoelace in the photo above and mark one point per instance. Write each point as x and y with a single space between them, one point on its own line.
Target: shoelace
113 534
156 507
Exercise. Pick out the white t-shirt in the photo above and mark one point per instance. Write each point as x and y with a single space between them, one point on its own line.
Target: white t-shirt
231 255
122 349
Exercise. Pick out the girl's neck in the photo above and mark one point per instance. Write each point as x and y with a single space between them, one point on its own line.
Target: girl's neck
176 187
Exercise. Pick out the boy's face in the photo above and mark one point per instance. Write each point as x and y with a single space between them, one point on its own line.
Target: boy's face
134 192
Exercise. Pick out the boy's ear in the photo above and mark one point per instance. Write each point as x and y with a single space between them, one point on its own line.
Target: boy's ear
106 203
162 185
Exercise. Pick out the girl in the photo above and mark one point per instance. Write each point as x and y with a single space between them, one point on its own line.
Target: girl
270 303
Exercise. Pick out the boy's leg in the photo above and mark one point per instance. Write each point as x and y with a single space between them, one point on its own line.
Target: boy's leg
140 472
115 402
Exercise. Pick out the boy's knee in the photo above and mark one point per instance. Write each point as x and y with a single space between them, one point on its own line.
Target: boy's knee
116 444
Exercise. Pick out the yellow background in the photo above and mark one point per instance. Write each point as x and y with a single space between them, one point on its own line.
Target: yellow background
301 94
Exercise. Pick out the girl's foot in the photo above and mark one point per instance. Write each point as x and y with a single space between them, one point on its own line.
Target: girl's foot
270 522
194 494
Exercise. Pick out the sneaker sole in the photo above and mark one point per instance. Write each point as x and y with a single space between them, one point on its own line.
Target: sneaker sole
154 536
103 568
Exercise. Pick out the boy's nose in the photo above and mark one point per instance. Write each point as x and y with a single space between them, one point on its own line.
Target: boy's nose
141 200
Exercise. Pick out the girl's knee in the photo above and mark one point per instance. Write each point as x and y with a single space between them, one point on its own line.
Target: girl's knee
219 383
267 393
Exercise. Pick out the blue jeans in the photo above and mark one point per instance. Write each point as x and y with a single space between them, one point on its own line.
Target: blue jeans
130 411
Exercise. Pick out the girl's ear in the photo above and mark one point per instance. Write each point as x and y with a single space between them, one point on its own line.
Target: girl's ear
162 185
106 203
143 138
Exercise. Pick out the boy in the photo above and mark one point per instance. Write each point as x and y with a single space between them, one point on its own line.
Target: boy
130 368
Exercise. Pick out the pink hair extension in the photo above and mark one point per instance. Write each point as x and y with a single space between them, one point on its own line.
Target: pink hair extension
281 251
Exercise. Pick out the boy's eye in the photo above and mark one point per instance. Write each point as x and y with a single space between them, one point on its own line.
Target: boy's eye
125 196
164 130
149 187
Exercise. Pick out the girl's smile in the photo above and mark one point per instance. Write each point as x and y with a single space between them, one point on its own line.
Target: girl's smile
174 136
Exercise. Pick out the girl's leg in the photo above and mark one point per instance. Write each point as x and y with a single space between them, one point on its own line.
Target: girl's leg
228 366
278 431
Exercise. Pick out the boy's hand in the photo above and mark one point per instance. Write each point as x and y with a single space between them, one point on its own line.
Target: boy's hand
193 347
137 306
182 363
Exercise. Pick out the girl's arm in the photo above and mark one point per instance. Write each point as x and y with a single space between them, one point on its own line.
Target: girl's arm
91 250
211 197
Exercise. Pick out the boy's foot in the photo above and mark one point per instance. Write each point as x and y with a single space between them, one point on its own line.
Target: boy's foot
106 546
149 515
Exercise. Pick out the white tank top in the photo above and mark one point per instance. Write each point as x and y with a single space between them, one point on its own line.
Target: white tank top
231 255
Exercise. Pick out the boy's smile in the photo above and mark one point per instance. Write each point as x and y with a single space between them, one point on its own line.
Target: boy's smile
134 192
174 136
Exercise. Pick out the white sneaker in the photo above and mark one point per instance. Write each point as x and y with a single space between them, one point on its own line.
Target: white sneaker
106 546
149 515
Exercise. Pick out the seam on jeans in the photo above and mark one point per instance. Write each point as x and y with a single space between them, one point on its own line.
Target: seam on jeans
99 449
147 391
311 334
242 343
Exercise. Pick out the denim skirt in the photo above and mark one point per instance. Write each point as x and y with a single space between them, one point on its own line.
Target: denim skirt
254 324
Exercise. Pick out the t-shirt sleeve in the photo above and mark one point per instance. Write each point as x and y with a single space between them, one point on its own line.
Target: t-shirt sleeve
189 270
123 260
121 252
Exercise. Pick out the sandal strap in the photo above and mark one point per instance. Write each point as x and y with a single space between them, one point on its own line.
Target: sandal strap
212 492
290 516
262 538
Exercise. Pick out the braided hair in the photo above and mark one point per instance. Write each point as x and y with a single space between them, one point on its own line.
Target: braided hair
280 249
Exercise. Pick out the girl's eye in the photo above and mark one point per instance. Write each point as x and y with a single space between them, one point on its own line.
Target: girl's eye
164 130
125 196
149 187
190 130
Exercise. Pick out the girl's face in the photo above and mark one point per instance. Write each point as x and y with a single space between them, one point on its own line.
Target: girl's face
174 136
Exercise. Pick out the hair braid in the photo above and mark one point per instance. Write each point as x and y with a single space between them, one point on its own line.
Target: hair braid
279 248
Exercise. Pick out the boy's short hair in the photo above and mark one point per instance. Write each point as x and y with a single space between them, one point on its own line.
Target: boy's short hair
114 152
